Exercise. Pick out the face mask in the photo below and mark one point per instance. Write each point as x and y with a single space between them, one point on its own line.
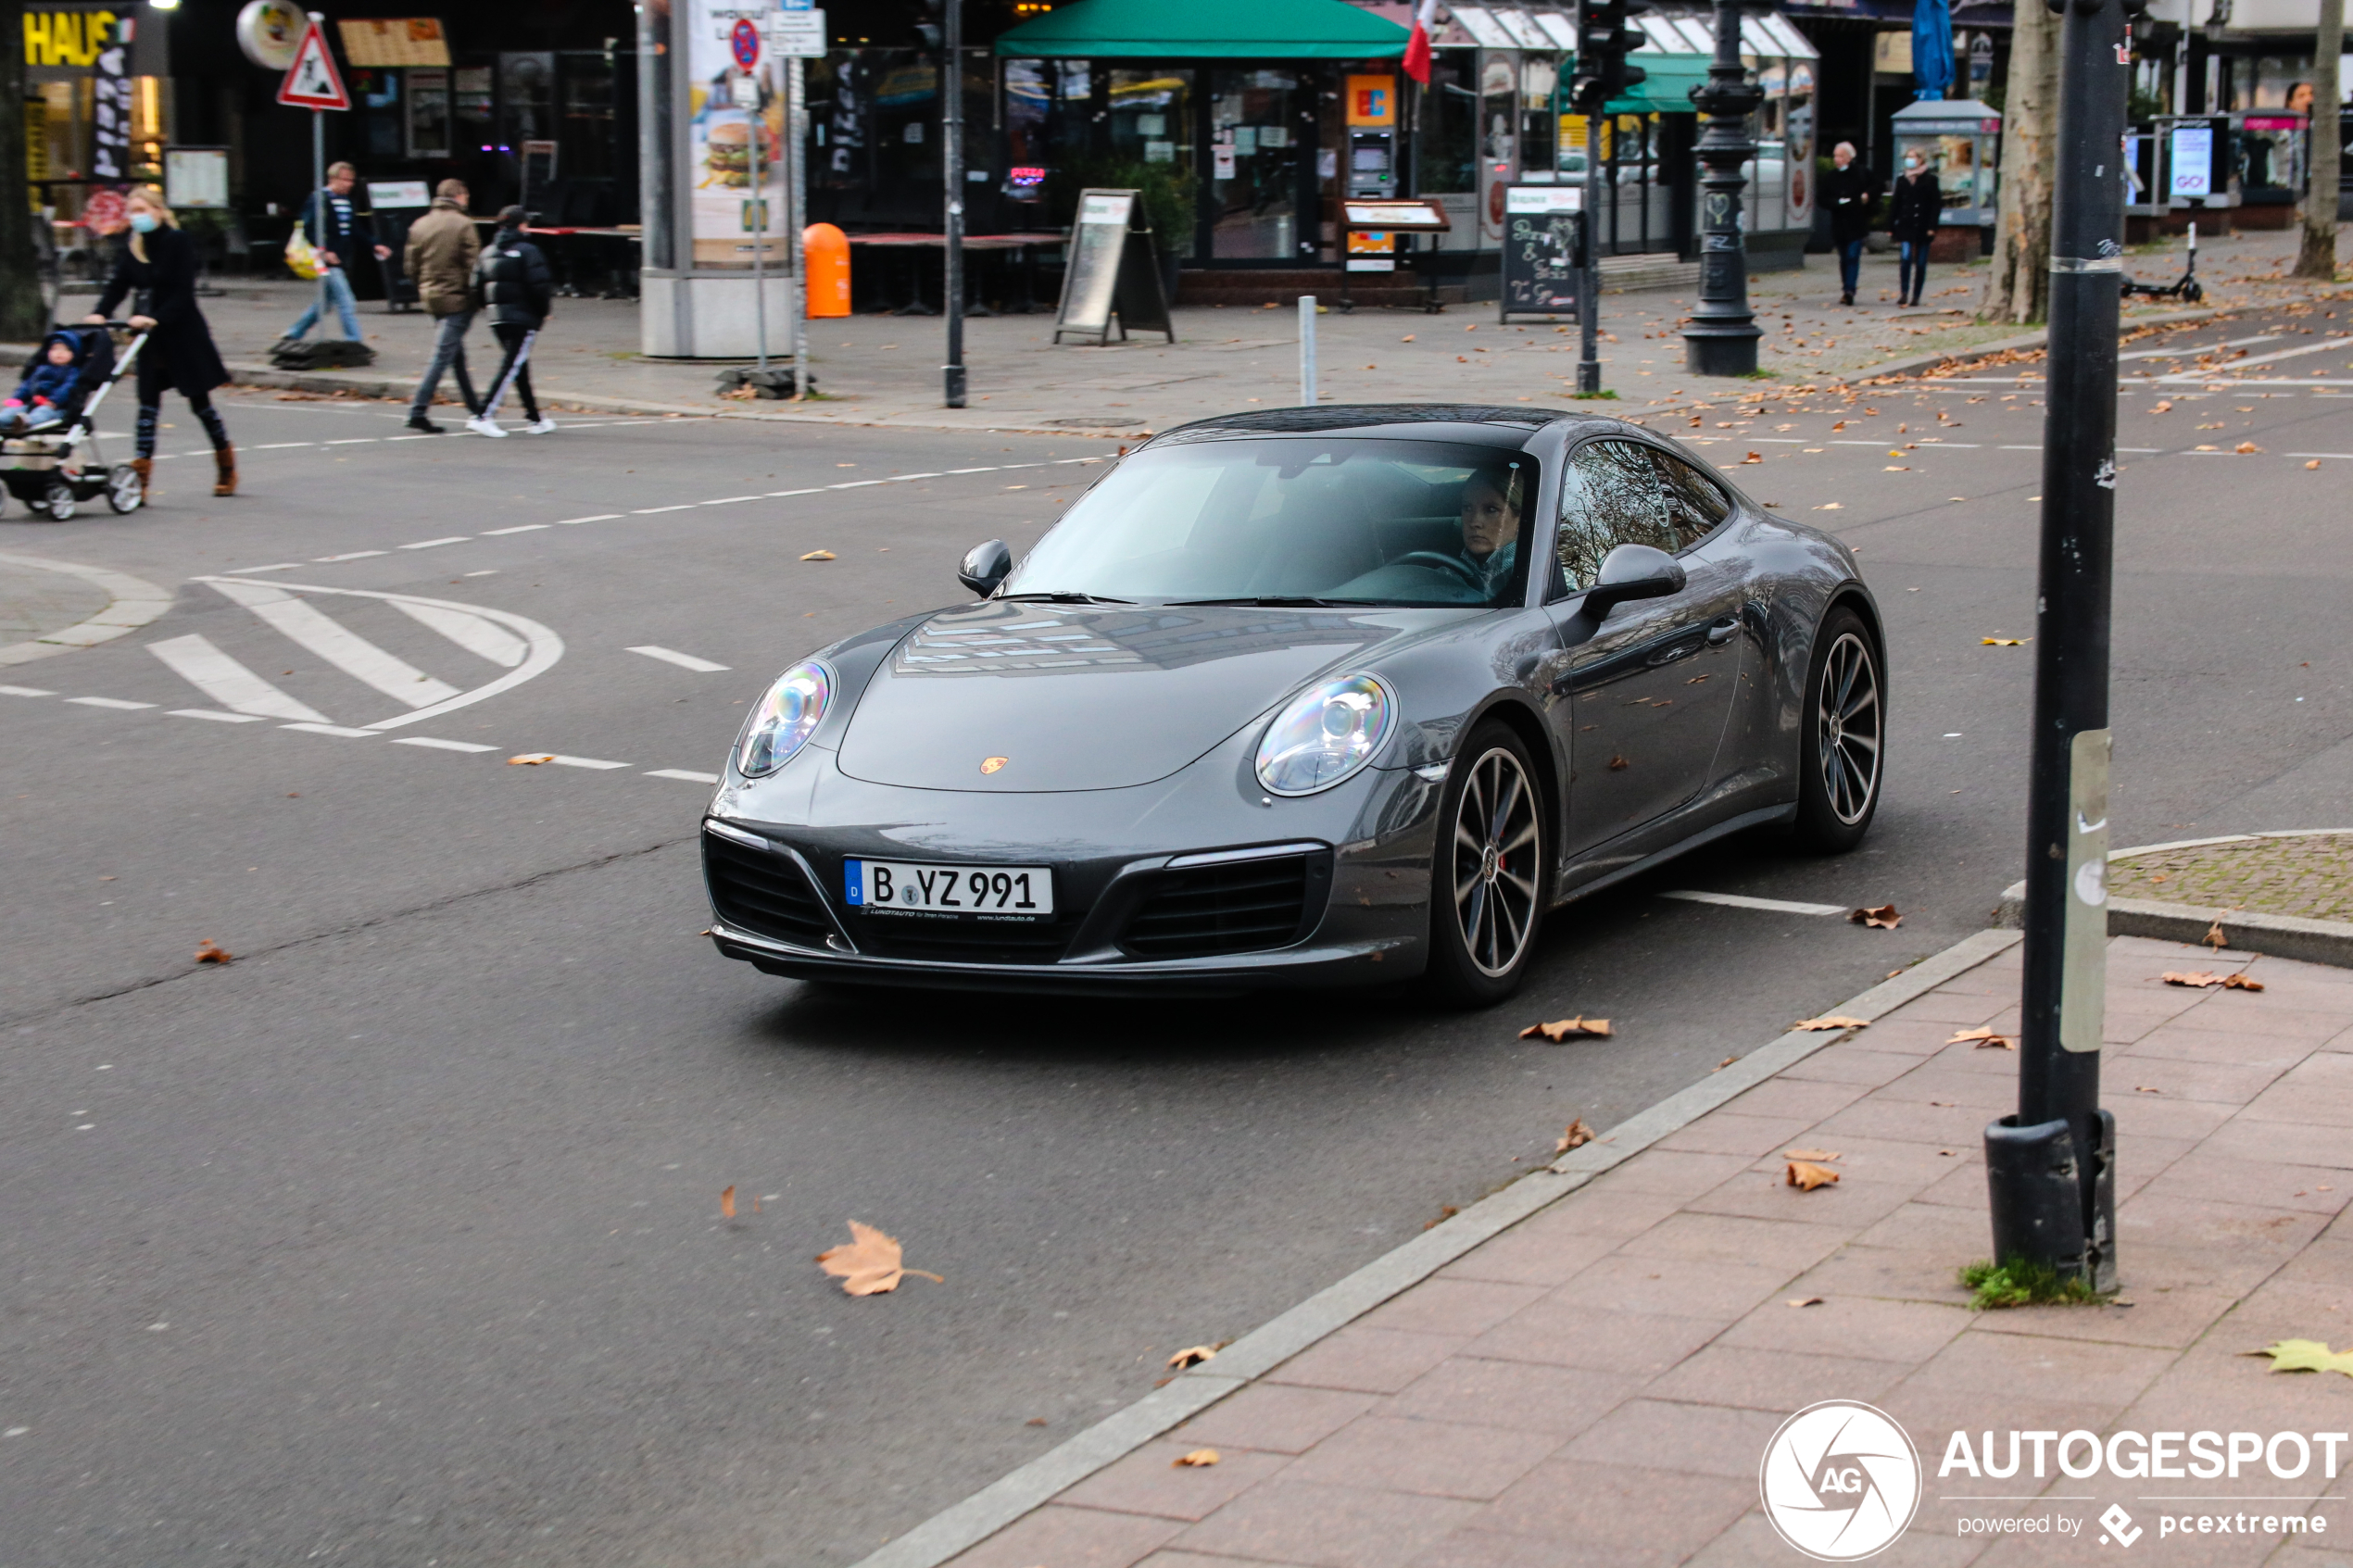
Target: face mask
143 222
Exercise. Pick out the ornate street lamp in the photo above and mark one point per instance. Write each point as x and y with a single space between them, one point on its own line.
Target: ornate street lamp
1723 332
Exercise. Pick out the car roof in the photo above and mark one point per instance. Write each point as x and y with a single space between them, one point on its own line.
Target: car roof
1480 424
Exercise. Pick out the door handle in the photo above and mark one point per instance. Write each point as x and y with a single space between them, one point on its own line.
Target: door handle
1723 631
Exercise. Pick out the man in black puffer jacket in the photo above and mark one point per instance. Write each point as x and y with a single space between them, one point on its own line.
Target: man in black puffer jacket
516 290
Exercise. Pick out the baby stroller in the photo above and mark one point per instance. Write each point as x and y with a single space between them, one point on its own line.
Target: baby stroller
55 469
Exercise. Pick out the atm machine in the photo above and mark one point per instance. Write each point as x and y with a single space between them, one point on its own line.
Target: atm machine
1372 169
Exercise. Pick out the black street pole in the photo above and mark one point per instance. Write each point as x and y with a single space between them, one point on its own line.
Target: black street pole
951 161
1722 333
2050 1168
1588 281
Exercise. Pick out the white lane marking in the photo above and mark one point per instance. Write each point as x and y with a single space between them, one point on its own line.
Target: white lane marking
468 631
431 544
224 718
108 702
857 485
25 691
585 763
346 650
132 602
2191 378
441 745
195 660
418 437
727 500
281 445
775 494
649 511
518 528
352 441
683 661
681 773
1742 901
347 555
2022 449
331 730
2345 456
278 566
599 517
2201 348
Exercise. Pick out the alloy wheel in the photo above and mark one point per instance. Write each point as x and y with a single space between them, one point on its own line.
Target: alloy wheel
1498 863
1847 727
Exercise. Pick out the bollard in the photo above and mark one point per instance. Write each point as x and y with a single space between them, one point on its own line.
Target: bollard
827 250
1307 350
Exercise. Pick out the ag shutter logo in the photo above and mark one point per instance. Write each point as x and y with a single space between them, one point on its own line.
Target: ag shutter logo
1840 1481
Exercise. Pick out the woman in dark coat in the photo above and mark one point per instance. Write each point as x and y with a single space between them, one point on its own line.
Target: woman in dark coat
1912 219
158 271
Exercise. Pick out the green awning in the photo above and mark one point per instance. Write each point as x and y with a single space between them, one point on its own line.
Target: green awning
1668 88
1217 30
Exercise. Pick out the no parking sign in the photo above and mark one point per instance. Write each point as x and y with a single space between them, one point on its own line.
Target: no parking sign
744 40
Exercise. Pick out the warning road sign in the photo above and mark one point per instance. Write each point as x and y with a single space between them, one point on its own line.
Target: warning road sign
312 82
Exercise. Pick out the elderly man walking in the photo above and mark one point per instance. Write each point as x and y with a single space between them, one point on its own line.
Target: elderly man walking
442 250
337 232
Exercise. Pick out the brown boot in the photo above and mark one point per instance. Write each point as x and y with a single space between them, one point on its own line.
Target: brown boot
224 463
142 466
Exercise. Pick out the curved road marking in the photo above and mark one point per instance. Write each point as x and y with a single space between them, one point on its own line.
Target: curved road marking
136 602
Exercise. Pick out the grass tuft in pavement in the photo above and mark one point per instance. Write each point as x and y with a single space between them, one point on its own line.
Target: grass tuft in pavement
2022 1283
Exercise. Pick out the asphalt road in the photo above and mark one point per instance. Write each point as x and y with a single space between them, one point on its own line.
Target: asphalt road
397 1239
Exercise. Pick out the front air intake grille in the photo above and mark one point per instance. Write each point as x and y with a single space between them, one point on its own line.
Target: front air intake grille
962 941
1240 907
764 891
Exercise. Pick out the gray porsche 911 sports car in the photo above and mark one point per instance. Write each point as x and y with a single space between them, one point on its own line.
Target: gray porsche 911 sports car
1314 696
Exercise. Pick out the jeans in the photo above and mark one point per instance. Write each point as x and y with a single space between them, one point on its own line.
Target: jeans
1850 266
1911 270
448 354
513 371
346 307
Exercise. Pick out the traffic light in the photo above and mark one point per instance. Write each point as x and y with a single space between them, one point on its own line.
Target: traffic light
1603 42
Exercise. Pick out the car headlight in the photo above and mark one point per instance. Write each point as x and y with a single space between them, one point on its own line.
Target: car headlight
1325 736
784 719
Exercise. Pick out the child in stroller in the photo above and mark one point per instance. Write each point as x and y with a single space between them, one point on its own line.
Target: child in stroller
46 394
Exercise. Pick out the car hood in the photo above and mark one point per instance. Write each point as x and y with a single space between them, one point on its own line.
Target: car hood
1085 697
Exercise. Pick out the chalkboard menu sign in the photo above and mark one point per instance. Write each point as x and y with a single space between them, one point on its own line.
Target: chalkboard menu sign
1113 270
1540 238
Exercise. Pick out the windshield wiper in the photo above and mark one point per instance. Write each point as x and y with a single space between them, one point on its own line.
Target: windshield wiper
1066 597
1279 601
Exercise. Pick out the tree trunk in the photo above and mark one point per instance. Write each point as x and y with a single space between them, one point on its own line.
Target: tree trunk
2318 256
24 314
2020 290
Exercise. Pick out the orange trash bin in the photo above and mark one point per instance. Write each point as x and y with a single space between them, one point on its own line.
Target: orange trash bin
828 249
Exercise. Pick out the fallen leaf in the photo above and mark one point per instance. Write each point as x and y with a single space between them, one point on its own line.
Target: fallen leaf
2003 641
1035 1420
2313 464
2247 446
1574 1135
1578 1028
1753 458
868 1263
727 1203
2240 983
531 759
1896 467
1804 1175
1726 1062
1831 507
2214 937
2306 1355
2164 407
1618 764
1833 1021
1883 918
1199 1459
2197 977
2144 1089
1803 1302
1822 1154
818 555
1407 338
1987 1040
208 953
1445 1212
1192 1355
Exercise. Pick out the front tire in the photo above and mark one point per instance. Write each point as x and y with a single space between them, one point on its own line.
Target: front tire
1488 873
1841 750
125 493
58 501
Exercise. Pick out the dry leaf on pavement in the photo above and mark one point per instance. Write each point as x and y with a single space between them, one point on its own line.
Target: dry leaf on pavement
1824 1154
868 1264
1803 1302
2164 407
1198 1459
818 555
2240 983
2313 464
2306 1355
1883 918
727 1203
1804 1175
1833 1021
2001 642
208 953
531 758
1753 458
2247 446
2214 937
1578 1028
1574 1135
1192 1355
2190 977
1987 1040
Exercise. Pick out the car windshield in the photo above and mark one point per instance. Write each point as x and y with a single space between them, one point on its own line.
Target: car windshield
1306 520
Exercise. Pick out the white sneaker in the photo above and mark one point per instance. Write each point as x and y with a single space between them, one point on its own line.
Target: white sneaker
541 427
480 425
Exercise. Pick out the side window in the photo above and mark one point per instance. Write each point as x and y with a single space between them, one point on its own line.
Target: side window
1697 505
1609 496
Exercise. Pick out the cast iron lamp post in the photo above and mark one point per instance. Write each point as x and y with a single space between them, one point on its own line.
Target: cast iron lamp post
1722 332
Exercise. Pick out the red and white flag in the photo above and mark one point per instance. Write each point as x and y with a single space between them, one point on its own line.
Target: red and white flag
1417 46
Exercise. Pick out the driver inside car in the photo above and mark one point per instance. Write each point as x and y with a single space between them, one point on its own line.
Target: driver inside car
1490 527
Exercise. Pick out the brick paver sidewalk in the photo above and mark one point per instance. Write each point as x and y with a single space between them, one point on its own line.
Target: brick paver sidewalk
1597 1385
2310 875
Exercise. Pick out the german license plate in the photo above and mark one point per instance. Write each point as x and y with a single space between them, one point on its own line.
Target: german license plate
986 892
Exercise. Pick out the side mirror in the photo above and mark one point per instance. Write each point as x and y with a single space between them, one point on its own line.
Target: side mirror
1633 572
987 565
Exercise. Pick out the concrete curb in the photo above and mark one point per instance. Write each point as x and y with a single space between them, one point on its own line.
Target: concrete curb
993 1508
1920 362
134 602
2278 936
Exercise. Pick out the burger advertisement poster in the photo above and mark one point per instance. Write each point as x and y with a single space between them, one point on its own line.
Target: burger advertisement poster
727 212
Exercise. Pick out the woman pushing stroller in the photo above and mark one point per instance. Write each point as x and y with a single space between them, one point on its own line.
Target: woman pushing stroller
158 271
